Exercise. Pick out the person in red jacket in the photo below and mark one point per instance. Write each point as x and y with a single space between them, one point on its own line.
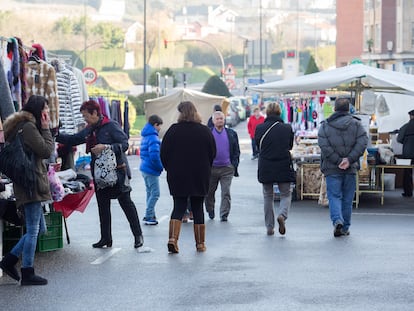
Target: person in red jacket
255 119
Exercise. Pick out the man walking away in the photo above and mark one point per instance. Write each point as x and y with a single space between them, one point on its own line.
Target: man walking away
342 140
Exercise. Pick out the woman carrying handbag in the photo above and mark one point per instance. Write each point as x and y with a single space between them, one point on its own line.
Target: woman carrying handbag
103 135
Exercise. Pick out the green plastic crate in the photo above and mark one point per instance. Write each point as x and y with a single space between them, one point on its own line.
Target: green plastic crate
53 238
11 235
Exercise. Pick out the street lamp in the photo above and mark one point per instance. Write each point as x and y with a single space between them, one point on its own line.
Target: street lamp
145 48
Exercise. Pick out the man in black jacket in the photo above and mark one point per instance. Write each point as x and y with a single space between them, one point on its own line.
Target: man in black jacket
224 166
406 137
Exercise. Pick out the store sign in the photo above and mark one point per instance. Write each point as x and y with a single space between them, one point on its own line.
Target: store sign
90 75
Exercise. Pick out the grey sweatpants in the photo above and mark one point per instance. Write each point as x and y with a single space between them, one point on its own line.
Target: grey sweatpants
284 206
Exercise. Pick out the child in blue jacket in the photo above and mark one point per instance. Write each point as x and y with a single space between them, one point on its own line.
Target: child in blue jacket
151 166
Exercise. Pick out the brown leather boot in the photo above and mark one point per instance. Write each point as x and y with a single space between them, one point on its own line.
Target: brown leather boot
199 235
175 226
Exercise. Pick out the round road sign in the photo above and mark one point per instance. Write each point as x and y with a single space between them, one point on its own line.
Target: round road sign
90 75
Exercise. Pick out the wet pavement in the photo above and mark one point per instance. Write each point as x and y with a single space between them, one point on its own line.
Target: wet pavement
242 269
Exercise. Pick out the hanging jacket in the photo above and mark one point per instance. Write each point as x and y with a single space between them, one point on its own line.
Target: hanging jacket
41 80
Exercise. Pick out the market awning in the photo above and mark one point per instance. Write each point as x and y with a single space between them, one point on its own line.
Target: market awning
353 77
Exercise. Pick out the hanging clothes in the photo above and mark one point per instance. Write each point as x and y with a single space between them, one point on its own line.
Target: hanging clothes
82 84
69 98
23 59
126 118
116 111
6 102
41 80
13 72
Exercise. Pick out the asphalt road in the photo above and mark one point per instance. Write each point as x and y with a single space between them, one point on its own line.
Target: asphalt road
243 268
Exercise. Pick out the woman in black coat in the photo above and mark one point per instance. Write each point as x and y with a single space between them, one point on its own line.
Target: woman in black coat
187 152
275 140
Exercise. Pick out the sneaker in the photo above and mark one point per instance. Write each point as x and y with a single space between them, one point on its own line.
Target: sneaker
211 215
224 218
338 230
151 221
282 227
270 231
345 232
185 218
145 218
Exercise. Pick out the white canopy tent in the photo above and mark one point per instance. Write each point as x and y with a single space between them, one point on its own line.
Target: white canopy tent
396 87
343 78
166 106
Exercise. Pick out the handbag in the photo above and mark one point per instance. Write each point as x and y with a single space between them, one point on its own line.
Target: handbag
18 164
105 173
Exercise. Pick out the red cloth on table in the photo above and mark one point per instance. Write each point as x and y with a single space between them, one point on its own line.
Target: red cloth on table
74 202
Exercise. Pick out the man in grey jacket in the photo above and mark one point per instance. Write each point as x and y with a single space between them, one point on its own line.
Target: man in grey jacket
342 140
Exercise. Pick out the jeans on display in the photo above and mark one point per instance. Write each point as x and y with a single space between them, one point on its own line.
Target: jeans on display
152 186
341 191
35 225
224 175
284 205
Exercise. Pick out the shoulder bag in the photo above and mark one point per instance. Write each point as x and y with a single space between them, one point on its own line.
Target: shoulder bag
18 164
264 135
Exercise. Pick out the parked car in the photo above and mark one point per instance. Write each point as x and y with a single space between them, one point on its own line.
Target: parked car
237 103
232 118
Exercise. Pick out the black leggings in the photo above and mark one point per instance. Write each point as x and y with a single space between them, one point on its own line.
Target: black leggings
180 205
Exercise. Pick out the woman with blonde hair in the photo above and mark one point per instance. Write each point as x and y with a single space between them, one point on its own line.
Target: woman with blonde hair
187 152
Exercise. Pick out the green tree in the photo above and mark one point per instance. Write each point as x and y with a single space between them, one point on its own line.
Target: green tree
112 36
63 26
215 86
312 67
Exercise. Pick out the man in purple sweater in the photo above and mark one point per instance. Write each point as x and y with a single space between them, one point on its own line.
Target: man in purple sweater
225 166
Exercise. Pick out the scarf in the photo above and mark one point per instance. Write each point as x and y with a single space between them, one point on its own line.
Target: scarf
91 140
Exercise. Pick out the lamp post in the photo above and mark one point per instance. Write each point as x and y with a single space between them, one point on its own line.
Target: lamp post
145 48
260 42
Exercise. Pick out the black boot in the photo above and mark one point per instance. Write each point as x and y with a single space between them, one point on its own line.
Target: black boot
30 278
139 241
8 266
101 243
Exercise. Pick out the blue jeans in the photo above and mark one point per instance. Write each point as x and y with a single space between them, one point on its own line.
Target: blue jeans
152 186
255 149
35 224
341 190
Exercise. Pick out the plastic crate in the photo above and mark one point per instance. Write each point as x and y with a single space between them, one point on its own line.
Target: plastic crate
11 235
49 241
53 238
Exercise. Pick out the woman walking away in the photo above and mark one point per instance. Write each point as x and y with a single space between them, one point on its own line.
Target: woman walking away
33 124
187 152
275 140
102 134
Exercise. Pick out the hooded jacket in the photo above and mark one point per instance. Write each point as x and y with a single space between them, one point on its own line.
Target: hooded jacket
42 146
341 136
150 151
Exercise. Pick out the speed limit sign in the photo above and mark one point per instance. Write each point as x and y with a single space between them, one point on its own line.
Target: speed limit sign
90 75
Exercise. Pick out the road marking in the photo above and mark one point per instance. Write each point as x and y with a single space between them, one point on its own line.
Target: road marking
163 218
384 214
105 257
